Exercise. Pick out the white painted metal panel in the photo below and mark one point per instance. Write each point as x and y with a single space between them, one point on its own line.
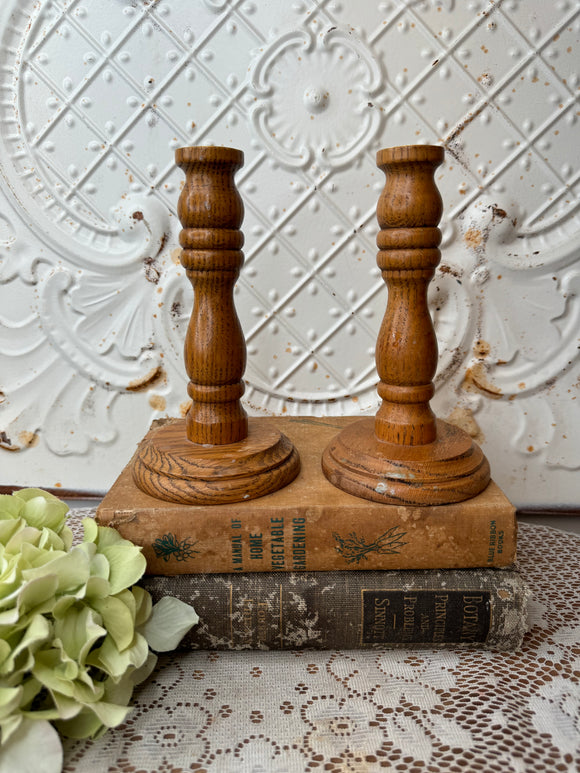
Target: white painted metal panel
97 94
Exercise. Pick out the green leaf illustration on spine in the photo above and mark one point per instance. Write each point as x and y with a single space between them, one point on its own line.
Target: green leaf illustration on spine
169 546
355 549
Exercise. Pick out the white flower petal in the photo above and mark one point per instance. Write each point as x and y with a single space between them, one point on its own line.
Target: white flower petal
170 620
34 748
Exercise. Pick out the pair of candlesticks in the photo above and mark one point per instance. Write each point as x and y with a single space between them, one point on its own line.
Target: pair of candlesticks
404 455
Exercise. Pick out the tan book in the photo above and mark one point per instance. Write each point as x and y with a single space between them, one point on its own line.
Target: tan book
310 525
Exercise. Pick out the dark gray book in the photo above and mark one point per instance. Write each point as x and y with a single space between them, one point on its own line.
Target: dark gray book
484 608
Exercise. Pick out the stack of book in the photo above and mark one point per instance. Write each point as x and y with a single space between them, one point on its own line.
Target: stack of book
311 566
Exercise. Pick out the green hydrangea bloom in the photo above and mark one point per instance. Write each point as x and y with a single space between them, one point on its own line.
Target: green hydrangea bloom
73 630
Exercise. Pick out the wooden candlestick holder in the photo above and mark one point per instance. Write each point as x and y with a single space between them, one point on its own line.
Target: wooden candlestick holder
216 455
405 455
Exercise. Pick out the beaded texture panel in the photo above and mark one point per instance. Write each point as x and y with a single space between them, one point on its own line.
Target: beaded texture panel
96 97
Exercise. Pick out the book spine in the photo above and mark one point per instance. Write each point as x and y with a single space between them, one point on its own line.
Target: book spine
350 610
312 539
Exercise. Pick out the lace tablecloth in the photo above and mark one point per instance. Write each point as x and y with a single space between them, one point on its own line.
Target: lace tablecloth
364 711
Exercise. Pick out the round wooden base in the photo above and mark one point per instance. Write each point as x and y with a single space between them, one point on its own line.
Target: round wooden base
170 467
450 469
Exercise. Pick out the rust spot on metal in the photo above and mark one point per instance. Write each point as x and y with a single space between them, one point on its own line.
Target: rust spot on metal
157 402
473 238
451 139
28 439
184 408
477 380
462 417
481 349
152 271
6 443
445 269
137 215
457 357
153 377
497 212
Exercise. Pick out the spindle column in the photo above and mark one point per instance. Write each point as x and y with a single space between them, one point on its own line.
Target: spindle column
405 454
217 455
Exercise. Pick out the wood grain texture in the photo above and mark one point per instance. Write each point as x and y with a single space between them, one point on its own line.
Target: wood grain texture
211 212
406 455
408 212
213 457
168 466
300 527
450 469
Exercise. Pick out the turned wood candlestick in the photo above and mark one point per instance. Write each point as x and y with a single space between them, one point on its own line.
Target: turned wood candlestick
405 455
217 455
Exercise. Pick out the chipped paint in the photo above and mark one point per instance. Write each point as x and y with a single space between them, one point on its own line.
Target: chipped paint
28 439
481 349
6 442
152 270
500 213
454 272
453 140
184 408
477 380
157 402
462 417
149 379
473 238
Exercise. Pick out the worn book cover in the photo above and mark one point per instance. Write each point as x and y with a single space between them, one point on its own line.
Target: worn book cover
349 610
310 525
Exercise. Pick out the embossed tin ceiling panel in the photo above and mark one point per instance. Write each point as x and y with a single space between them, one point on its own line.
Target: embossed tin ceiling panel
96 96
